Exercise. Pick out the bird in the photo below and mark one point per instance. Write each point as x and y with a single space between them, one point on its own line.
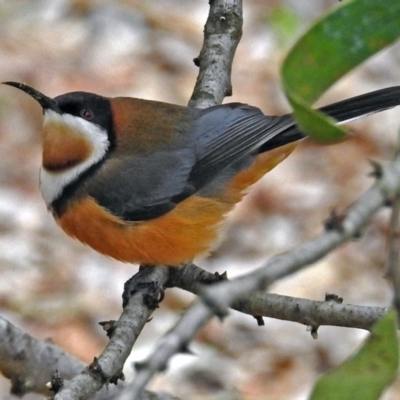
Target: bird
151 183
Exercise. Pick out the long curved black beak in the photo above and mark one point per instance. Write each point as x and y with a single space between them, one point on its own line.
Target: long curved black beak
47 103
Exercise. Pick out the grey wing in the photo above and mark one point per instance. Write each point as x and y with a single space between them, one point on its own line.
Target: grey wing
142 188
245 130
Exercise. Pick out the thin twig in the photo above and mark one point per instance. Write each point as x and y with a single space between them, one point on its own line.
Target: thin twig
287 308
393 259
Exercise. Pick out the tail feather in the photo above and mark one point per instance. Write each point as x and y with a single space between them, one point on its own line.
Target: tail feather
343 111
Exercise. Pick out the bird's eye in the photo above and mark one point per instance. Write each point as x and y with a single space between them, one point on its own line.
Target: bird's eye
86 113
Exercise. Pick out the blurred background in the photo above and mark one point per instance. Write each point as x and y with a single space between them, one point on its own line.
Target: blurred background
53 287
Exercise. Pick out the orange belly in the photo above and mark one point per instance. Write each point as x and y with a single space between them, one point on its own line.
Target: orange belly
173 239
189 230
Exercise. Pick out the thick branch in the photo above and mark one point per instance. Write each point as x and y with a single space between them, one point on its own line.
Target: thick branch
222 34
29 363
21 354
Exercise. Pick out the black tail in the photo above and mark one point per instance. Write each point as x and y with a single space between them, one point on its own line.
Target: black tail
343 111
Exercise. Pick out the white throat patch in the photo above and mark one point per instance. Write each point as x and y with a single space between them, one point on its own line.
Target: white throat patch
53 183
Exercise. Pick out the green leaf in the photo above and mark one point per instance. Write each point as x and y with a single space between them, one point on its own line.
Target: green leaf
317 124
369 372
335 45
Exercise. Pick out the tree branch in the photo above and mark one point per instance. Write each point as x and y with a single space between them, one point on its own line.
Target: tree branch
21 354
393 257
222 34
287 308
